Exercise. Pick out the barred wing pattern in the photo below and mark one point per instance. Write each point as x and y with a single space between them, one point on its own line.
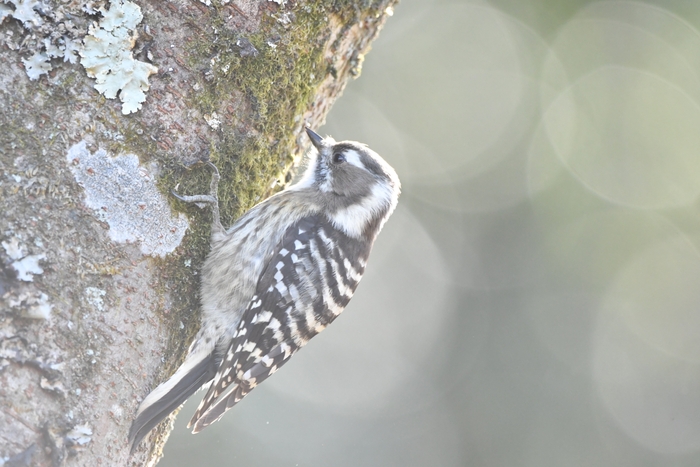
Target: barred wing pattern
305 286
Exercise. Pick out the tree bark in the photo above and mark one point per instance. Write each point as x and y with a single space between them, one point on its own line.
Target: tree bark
98 265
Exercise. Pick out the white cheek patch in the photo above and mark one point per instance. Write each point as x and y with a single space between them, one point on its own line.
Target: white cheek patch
352 157
354 219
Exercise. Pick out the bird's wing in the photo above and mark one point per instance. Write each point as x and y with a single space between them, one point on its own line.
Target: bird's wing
307 283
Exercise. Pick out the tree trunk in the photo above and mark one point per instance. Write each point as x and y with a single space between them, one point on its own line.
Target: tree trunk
98 265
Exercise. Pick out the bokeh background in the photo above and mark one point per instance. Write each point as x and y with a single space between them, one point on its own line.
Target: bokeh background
535 300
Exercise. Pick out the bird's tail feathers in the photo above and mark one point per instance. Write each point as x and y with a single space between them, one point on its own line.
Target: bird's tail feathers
197 370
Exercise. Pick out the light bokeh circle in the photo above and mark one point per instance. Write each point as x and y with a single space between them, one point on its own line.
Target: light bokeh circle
620 96
629 137
646 348
480 58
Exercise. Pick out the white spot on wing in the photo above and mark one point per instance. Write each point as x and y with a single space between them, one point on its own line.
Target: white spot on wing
286 349
294 293
262 317
351 271
281 288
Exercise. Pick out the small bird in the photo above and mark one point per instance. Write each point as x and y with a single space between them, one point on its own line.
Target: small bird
277 277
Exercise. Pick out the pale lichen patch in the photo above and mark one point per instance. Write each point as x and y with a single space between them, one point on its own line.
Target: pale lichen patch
71 49
37 65
27 267
31 304
123 194
213 120
80 435
25 11
95 297
5 11
107 57
13 248
52 31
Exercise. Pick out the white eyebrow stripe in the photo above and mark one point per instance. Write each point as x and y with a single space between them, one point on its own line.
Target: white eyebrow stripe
352 157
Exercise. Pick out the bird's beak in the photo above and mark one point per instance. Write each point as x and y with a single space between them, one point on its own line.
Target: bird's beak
315 138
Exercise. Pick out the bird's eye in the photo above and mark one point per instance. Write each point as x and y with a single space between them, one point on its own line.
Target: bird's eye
338 158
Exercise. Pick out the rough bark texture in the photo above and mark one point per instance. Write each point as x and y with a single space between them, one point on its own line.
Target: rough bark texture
98 286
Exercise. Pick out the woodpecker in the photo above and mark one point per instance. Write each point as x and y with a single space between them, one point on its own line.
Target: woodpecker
277 277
